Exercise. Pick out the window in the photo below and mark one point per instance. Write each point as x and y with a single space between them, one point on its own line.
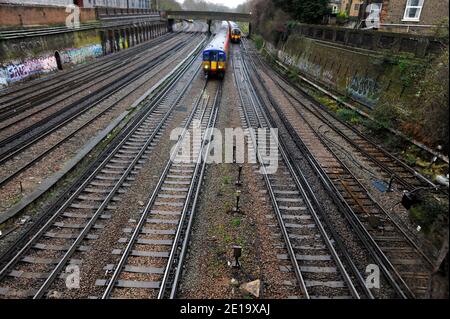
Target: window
413 10
214 56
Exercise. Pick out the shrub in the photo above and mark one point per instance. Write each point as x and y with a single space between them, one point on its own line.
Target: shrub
259 41
348 115
432 216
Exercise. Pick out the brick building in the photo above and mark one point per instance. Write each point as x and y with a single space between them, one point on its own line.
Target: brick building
407 15
351 7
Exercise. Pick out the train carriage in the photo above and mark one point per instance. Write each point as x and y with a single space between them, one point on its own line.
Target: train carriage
236 33
215 55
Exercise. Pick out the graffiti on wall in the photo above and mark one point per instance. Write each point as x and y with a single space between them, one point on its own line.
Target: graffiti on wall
307 67
364 89
17 71
327 77
310 68
80 55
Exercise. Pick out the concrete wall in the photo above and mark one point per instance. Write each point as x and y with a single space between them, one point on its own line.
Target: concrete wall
365 76
27 57
402 43
12 16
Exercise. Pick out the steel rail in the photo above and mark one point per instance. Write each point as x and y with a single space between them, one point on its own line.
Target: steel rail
398 226
364 236
62 141
12 151
118 269
99 92
79 70
115 67
284 232
130 131
323 108
198 167
387 154
390 217
9 253
105 202
72 249
74 91
323 214
289 164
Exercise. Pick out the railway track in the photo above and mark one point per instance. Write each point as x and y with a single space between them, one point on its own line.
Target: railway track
82 87
331 127
311 253
39 257
27 96
22 139
152 251
400 259
50 129
40 85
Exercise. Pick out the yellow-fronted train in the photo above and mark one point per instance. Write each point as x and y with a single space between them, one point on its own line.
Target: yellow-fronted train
235 33
215 55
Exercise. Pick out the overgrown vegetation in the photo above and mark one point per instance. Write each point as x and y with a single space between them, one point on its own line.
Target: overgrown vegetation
431 214
423 114
307 11
272 18
421 111
259 41
349 116
342 18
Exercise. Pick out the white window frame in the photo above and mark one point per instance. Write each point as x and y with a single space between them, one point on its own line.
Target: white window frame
408 7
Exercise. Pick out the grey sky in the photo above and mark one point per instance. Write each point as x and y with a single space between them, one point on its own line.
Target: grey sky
229 3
